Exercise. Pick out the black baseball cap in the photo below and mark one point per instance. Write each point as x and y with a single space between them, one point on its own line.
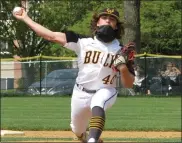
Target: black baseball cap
109 11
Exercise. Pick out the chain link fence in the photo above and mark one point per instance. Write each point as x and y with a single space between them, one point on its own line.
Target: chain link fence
155 75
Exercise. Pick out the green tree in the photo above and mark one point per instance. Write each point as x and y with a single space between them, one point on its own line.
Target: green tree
160 24
161 27
55 15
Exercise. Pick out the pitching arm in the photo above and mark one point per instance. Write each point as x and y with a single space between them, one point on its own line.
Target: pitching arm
40 30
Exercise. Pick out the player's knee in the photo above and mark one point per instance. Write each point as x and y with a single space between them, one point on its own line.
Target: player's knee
97 103
100 105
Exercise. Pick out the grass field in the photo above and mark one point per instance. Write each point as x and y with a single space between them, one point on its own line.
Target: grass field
145 140
128 114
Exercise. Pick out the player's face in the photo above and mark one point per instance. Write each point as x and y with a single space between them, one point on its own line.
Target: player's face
107 20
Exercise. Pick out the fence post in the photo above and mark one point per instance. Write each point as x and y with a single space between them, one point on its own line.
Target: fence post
181 71
6 83
40 73
145 55
45 75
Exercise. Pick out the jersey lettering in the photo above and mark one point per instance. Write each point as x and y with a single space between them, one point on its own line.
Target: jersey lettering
106 64
113 57
87 57
108 79
112 79
95 55
89 54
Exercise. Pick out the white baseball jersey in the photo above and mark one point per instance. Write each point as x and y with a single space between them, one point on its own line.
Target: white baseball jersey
95 60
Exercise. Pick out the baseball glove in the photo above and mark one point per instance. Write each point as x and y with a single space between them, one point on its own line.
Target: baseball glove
126 56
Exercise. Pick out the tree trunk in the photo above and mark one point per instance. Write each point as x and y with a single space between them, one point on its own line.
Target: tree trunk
132 22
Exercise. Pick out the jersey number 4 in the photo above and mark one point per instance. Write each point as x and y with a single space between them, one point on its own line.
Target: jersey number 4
109 79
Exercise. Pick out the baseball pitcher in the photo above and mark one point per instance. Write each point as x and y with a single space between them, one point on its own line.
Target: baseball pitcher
100 58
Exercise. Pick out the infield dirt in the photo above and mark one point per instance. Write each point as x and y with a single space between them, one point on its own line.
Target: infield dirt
105 134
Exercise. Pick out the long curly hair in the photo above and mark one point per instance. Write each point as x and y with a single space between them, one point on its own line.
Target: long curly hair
93 26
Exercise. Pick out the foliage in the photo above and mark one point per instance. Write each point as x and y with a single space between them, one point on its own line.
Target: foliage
55 15
161 27
160 24
57 50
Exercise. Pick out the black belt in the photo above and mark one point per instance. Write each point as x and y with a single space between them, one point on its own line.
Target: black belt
84 89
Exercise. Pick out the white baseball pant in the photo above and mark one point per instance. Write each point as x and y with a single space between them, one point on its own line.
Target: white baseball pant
82 103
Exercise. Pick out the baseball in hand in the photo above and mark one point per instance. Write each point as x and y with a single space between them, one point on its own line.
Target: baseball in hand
18 11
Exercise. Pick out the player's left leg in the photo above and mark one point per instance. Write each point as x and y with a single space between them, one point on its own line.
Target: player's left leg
101 101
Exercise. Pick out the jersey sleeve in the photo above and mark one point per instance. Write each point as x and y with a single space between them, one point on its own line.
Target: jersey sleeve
73 40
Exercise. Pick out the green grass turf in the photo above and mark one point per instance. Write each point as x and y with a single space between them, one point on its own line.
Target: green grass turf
16 139
128 113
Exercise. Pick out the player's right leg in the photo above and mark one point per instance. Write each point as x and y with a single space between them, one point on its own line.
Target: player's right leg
80 113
